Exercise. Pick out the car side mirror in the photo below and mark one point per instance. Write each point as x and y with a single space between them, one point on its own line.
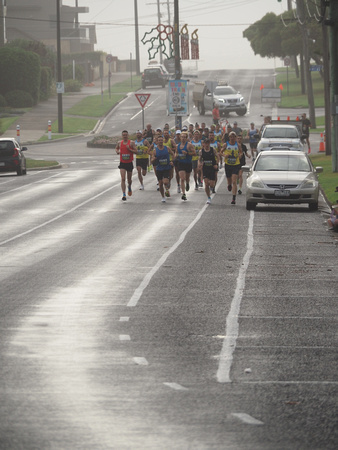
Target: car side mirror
24 149
319 169
246 168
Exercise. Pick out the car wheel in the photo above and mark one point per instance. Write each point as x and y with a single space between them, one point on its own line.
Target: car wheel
313 206
201 109
24 172
19 171
250 206
242 112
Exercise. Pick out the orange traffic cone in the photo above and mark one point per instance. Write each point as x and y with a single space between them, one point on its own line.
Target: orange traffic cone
321 145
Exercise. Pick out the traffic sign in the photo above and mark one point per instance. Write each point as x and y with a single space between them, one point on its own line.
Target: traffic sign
287 61
142 98
109 59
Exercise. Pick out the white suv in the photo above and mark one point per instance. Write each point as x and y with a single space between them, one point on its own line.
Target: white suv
280 137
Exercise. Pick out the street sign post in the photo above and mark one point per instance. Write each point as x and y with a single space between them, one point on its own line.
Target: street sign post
142 99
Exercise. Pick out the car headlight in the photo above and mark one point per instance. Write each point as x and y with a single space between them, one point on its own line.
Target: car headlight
308 184
220 100
255 183
241 99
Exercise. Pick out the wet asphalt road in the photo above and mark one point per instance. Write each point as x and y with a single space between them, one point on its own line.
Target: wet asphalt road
143 325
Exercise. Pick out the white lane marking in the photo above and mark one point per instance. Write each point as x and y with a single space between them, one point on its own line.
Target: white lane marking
232 326
250 95
146 280
124 337
124 319
140 361
247 419
176 386
59 216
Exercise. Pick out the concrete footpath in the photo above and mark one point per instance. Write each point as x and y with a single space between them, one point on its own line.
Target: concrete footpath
34 123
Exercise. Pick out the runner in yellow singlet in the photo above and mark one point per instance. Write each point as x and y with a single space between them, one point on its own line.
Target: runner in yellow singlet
142 157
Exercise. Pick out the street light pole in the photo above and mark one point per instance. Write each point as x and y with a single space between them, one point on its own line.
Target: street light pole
137 48
59 66
178 74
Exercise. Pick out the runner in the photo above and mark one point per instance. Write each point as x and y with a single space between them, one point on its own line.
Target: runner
242 161
208 162
148 133
217 147
232 154
126 149
253 141
161 159
197 144
170 143
238 130
215 114
185 152
142 157
218 137
177 141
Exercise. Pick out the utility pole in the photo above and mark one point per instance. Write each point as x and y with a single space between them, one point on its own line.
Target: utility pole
137 48
178 73
159 21
3 23
59 66
332 22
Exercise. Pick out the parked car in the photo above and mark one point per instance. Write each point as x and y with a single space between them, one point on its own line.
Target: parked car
282 177
153 76
12 158
280 135
165 73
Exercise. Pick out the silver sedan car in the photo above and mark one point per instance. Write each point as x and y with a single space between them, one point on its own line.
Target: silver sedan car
282 177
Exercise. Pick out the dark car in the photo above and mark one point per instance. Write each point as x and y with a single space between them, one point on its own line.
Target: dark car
153 76
11 157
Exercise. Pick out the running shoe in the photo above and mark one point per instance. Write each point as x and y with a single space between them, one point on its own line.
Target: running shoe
141 187
233 202
167 193
163 200
229 187
184 197
130 192
200 184
178 189
187 187
213 190
239 191
209 200
124 198
196 187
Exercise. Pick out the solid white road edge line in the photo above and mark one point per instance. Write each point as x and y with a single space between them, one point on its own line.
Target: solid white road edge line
176 386
232 326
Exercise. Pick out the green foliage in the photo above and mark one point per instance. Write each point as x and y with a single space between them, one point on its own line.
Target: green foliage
328 178
67 72
45 83
72 86
19 99
3 102
19 70
47 56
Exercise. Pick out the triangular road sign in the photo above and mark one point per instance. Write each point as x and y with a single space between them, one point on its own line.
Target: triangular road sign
142 98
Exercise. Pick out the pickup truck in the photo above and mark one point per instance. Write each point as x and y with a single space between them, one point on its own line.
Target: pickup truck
206 93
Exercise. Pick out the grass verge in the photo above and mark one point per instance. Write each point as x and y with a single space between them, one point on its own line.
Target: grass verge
37 164
6 122
328 180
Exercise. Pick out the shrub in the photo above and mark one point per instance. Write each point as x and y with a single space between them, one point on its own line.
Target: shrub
3 102
72 86
20 70
67 72
45 83
19 99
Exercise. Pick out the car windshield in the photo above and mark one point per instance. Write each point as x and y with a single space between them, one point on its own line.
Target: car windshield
228 90
280 133
280 163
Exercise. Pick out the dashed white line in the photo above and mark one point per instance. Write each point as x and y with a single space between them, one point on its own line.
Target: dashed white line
124 337
140 361
124 319
246 418
176 386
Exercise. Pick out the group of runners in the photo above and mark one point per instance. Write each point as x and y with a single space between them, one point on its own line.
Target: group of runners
194 149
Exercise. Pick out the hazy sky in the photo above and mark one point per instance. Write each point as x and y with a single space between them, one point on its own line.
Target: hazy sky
220 26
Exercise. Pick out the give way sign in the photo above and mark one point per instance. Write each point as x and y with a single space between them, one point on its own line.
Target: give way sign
142 98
